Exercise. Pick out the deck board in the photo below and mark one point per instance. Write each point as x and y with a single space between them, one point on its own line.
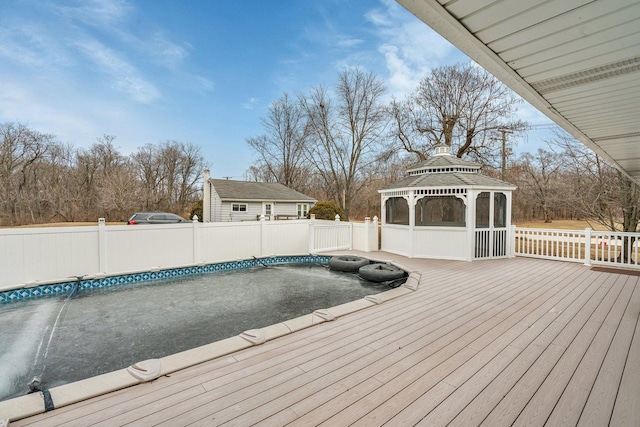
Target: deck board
501 342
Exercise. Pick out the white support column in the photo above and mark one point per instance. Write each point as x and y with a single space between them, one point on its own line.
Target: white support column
376 233
412 220
471 224
102 245
312 233
367 233
196 240
263 235
587 246
511 234
492 226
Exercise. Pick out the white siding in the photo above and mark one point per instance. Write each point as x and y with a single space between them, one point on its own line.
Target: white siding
216 205
254 209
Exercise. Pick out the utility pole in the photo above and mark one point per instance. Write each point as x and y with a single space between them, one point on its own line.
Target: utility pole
503 166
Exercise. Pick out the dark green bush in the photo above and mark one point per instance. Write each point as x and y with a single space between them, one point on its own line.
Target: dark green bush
325 210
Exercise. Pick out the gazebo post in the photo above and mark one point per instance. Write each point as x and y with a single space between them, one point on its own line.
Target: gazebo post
471 223
412 221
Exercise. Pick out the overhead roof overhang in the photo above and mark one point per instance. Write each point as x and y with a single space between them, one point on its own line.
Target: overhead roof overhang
576 61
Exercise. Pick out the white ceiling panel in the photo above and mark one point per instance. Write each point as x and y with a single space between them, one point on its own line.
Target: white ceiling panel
577 61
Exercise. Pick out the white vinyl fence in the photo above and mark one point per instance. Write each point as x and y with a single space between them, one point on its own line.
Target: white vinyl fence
605 248
30 256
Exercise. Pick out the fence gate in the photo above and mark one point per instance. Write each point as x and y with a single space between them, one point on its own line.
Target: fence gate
490 243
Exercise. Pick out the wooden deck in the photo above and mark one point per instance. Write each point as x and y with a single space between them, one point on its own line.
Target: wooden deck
503 342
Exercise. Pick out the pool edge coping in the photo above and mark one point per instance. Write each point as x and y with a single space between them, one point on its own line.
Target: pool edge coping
33 404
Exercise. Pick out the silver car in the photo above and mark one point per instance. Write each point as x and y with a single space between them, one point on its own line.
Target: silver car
155 218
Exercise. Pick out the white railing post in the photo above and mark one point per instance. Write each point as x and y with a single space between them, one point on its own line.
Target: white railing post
512 241
263 237
367 232
102 245
337 218
311 233
587 246
376 234
196 239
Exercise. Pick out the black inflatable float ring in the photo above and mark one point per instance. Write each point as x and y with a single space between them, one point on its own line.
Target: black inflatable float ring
380 272
347 263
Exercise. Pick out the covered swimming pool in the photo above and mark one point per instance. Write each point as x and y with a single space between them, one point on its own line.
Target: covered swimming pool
61 340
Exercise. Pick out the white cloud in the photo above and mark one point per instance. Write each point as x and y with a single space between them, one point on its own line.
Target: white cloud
171 53
124 76
97 13
250 103
410 48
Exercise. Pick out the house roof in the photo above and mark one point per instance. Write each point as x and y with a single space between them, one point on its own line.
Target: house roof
257 191
577 62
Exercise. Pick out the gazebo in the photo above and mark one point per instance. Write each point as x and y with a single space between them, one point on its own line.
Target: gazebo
446 209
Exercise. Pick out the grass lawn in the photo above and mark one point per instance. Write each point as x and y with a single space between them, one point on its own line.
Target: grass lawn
64 224
562 224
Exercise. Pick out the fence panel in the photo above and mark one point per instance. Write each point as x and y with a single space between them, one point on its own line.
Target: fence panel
365 235
289 237
143 247
566 245
615 249
37 254
330 236
225 241
29 255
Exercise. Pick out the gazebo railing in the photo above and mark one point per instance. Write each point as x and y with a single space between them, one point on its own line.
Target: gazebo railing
491 243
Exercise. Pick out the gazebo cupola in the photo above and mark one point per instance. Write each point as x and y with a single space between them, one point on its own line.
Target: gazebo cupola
445 208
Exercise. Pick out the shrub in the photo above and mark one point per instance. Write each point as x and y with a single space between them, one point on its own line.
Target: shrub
325 210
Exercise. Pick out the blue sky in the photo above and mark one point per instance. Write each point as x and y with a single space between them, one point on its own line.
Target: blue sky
201 72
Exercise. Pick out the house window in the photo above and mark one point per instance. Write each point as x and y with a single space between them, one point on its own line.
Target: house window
239 207
448 211
267 209
303 210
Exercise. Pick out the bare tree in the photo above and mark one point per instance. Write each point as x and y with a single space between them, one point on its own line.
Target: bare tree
403 132
461 106
94 167
605 195
149 174
542 185
119 194
345 136
22 150
58 187
169 173
281 147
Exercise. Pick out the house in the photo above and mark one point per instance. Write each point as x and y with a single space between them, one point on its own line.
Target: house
228 200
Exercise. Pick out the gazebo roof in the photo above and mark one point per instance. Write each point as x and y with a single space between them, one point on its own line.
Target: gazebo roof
443 161
453 179
446 171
